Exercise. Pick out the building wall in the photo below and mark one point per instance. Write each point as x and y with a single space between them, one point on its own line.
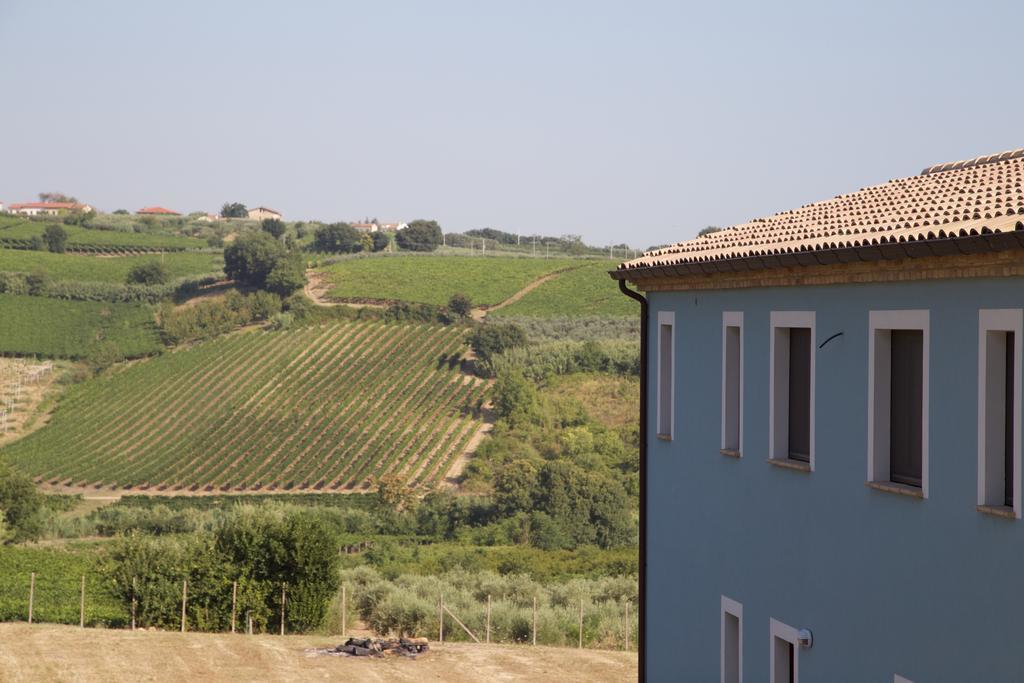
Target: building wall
928 589
260 214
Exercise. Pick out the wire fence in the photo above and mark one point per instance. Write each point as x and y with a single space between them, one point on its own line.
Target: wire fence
89 601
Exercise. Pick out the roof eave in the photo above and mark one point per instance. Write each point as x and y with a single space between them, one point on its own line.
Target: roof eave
949 246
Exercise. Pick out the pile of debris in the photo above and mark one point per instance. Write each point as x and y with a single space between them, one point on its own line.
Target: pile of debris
376 647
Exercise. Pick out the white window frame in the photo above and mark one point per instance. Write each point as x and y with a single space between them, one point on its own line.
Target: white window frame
732 319
778 409
731 607
998 320
667 318
878 381
790 635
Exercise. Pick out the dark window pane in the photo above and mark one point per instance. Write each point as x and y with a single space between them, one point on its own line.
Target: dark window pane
906 402
1008 418
800 394
665 380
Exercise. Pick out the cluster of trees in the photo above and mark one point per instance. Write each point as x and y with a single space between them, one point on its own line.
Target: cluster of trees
261 261
263 548
148 273
208 319
234 210
21 507
342 238
420 235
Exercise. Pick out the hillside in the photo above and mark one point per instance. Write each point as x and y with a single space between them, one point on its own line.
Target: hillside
432 279
18 232
586 291
56 328
325 407
94 269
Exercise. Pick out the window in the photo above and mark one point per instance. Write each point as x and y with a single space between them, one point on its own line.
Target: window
999 399
785 654
898 401
732 383
666 376
732 641
791 428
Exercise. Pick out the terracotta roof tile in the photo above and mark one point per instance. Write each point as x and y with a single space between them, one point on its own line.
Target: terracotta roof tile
958 199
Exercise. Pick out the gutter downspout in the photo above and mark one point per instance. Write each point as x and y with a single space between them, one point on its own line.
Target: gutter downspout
642 579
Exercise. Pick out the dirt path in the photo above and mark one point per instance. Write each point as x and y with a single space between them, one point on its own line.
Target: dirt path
67 653
479 314
451 478
317 289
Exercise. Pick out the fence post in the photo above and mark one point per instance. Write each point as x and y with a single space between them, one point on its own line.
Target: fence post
31 596
234 603
344 609
440 619
184 601
81 605
534 620
628 625
248 619
488 618
581 622
134 589
282 608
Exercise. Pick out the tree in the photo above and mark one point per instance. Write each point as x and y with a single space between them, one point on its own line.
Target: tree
275 227
56 238
149 273
381 240
490 340
460 305
514 487
57 197
420 235
234 210
287 275
20 505
251 258
37 243
337 238
121 212
515 399
708 230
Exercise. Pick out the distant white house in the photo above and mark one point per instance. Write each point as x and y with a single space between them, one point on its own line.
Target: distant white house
366 227
393 227
48 208
3 208
207 218
261 212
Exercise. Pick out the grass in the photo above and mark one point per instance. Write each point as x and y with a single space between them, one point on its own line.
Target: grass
582 292
434 279
328 407
612 400
95 269
74 329
21 230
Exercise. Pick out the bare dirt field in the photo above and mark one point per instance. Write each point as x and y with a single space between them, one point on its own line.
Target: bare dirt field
66 653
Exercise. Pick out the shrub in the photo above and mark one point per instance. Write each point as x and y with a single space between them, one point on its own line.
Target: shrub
460 304
490 340
21 506
337 238
251 258
151 273
56 238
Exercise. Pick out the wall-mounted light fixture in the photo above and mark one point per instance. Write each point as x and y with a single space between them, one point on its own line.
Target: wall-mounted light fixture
805 638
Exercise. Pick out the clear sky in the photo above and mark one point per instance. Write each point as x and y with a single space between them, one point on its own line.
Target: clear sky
636 122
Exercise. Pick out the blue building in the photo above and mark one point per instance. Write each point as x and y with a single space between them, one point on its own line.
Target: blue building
832 438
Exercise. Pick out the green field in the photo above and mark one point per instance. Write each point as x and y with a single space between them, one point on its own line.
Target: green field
18 231
326 407
101 269
56 328
582 292
58 586
433 279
